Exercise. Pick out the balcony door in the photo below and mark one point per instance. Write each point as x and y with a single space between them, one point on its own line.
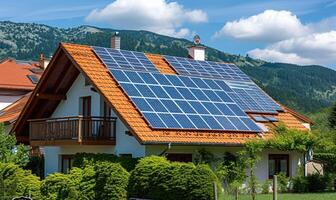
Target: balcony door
85 111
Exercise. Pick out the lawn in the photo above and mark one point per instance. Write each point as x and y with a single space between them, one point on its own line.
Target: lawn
306 196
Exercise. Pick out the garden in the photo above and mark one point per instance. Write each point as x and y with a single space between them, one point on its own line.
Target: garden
106 176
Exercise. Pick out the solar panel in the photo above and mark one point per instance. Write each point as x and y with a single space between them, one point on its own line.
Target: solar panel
122 59
33 78
271 118
190 67
182 102
259 118
251 98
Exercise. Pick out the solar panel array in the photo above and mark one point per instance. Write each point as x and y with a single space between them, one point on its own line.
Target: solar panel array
190 67
205 95
251 98
130 60
181 102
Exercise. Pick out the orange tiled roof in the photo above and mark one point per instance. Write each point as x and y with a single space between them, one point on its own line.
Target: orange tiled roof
88 62
13 75
11 113
160 64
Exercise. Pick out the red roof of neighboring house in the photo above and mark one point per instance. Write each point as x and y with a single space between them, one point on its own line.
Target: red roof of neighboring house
14 74
9 114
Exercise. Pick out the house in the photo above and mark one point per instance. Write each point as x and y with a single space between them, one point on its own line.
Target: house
17 79
105 100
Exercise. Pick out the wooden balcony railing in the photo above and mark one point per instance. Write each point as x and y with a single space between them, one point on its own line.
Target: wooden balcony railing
77 128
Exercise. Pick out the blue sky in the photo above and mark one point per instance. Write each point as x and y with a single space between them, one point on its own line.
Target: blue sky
300 31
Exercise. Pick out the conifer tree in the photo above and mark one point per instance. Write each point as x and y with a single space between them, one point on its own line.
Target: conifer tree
332 117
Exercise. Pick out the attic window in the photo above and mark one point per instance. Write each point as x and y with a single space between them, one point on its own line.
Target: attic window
87 82
33 78
36 70
271 118
259 118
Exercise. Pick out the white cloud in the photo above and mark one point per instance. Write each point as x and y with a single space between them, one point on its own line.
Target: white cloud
287 38
154 15
270 25
317 48
272 55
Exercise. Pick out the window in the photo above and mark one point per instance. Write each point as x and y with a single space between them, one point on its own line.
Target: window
179 157
278 163
67 163
107 110
87 82
85 106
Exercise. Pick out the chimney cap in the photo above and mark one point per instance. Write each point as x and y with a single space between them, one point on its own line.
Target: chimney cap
116 34
197 39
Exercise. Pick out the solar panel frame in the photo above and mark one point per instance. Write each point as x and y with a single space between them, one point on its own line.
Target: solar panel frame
206 109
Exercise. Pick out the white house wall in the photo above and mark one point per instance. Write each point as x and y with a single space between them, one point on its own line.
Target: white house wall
125 144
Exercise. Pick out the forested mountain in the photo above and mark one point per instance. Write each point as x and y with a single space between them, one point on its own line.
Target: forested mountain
305 88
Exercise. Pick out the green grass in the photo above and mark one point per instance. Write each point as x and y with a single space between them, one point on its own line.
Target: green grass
306 196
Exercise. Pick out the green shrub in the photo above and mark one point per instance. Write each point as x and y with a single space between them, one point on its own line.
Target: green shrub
111 181
86 182
156 178
36 165
82 160
15 181
317 183
300 184
59 186
282 182
265 186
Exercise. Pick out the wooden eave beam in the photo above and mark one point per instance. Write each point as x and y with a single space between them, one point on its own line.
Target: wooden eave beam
52 97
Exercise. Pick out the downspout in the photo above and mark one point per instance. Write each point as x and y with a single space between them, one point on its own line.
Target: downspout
166 149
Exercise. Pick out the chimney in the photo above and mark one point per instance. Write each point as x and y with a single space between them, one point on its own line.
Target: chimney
42 61
196 51
115 41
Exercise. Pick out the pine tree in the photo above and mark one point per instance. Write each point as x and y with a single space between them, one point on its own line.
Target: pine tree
332 117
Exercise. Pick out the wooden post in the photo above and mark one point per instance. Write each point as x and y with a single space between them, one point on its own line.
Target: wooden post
275 188
215 190
80 130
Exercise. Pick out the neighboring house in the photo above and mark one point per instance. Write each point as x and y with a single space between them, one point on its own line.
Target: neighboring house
9 114
97 100
17 79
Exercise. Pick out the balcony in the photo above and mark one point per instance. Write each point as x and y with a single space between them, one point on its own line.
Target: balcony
72 130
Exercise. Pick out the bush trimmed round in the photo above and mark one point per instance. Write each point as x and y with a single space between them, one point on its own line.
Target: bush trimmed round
15 182
156 178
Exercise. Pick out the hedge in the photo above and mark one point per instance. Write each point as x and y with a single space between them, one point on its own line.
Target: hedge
15 182
156 178
81 160
105 180
312 183
111 181
59 186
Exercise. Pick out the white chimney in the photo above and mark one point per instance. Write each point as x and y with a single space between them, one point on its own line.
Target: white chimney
197 52
115 41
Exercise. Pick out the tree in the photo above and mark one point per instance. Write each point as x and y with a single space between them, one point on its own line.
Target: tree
251 155
332 118
10 152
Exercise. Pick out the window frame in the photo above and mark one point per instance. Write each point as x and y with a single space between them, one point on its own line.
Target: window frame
277 164
70 158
